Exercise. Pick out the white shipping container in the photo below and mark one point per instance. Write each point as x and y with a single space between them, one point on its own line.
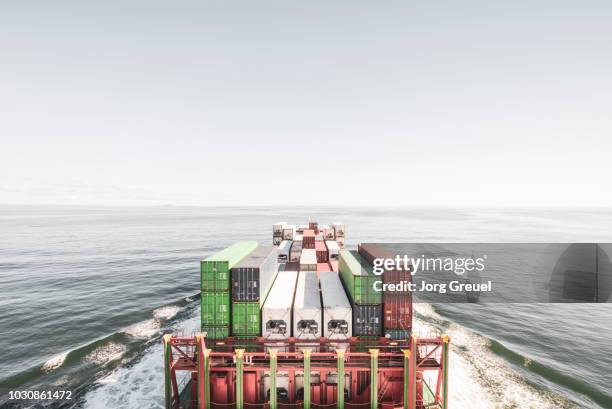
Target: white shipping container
276 241
276 311
337 312
288 232
333 249
308 260
296 252
339 229
298 237
307 307
277 228
340 241
283 250
301 228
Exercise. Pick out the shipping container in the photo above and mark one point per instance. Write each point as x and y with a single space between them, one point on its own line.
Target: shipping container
313 225
277 229
215 308
337 312
341 242
296 252
307 307
301 227
308 240
299 237
215 270
398 334
339 230
288 232
358 278
333 249
284 248
321 251
216 332
319 237
397 304
367 320
246 319
276 311
276 240
253 276
327 231
323 267
308 260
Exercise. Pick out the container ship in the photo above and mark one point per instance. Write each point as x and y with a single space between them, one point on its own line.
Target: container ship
298 324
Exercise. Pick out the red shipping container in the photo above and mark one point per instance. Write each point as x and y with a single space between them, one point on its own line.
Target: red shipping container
397 304
322 253
308 239
314 226
323 267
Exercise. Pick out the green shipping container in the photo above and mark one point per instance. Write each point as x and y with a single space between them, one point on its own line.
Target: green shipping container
246 319
215 270
358 278
216 332
215 308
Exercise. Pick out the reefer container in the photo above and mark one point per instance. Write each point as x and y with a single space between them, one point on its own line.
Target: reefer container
276 311
333 249
397 304
277 229
327 231
276 240
358 278
367 320
215 270
337 312
246 319
308 241
339 230
308 260
307 307
284 248
215 308
216 332
252 277
288 232
321 251
296 251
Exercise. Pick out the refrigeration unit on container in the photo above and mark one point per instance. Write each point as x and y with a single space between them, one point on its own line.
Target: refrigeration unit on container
284 248
253 276
367 320
307 307
308 260
276 240
339 229
276 311
277 229
288 232
296 251
333 249
358 278
337 312
321 251
308 239
215 270
327 231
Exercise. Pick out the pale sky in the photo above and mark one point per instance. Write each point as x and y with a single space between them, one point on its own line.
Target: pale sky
447 103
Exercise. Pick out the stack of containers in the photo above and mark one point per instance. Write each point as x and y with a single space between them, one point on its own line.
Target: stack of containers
308 260
251 281
328 232
312 225
308 239
321 250
339 233
283 251
277 232
397 305
215 286
276 311
307 307
288 232
358 280
296 248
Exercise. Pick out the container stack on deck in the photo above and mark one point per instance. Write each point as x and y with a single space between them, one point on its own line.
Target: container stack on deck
358 279
251 281
215 288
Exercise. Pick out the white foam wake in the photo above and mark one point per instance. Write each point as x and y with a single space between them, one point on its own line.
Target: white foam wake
144 329
106 353
55 362
167 312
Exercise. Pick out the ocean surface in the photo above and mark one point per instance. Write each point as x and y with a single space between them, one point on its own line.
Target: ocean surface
86 293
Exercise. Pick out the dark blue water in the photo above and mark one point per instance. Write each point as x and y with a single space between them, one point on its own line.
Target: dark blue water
85 295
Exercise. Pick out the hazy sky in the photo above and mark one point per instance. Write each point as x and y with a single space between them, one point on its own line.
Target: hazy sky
320 102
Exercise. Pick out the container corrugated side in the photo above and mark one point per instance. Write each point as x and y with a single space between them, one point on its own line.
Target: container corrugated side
339 229
358 278
246 319
284 248
276 311
216 332
215 308
308 260
307 307
308 239
253 276
333 249
337 311
215 270
321 251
